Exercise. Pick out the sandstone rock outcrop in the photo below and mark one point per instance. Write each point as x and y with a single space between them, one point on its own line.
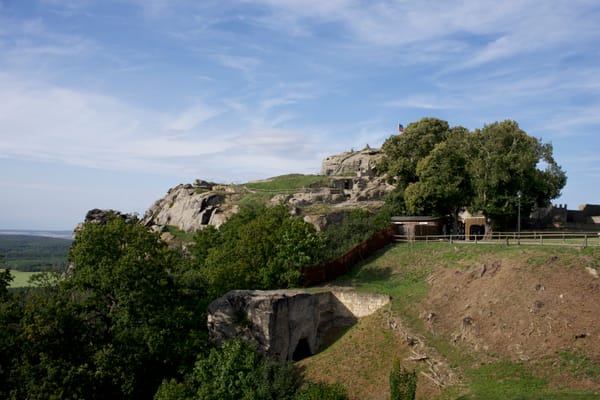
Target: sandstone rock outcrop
287 324
190 207
353 184
352 163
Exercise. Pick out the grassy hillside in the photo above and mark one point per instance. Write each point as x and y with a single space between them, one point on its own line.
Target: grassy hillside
34 253
290 182
476 322
262 191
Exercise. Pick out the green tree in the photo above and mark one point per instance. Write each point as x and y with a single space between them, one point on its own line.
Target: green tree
441 171
508 161
10 315
403 152
129 315
234 372
259 248
444 184
137 298
354 227
56 348
5 279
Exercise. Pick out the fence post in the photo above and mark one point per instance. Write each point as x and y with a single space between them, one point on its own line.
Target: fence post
585 241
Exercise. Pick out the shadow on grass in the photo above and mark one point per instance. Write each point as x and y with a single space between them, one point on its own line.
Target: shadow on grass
370 275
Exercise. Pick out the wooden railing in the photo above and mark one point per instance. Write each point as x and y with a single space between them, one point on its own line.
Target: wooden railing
578 239
338 266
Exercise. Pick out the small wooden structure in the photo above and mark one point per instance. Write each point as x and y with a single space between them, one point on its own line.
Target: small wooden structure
408 228
474 227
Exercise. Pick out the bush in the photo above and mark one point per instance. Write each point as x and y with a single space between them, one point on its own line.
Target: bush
403 383
322 391
234 372
356 226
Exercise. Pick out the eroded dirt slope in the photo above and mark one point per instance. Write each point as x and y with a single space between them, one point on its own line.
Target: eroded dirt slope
517 310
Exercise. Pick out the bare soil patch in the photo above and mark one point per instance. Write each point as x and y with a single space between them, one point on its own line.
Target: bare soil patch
519 311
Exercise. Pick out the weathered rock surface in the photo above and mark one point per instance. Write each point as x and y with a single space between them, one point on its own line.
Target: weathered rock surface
190 207
353 184
99 216
287 324
352 163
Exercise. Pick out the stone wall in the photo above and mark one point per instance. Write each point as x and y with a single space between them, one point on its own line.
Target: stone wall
287 324
360 304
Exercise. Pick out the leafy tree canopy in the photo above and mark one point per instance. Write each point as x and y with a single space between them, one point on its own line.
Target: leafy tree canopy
259 248
234 372
440 170
403 152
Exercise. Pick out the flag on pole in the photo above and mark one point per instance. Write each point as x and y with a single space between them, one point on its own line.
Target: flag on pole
400 128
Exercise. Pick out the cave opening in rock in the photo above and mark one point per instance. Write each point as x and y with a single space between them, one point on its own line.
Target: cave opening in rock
302 350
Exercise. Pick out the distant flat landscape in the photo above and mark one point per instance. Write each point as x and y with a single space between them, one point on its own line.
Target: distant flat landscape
46 233
33 251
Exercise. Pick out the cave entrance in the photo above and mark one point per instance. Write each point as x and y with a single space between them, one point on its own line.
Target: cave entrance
302 350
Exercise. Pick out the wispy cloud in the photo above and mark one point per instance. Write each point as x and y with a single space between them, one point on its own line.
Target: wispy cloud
98 131
424 102
499 30
27 43
242 63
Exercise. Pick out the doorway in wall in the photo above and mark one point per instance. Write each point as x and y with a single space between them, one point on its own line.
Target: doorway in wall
302 350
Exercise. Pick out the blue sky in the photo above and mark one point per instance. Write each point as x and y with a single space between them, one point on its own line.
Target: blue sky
109 103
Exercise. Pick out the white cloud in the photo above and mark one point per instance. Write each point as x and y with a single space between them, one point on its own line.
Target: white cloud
44 122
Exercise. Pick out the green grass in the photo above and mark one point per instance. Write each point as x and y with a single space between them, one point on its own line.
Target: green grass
262 191
21 279
288 183
579 365
515 381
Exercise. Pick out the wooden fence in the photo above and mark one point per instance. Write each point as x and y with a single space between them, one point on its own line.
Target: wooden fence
542 238
329 270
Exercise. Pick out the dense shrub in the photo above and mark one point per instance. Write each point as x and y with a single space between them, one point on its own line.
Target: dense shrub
403 383
322 391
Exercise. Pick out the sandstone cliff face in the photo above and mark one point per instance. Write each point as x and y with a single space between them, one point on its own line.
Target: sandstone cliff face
353 184
287 324
191 207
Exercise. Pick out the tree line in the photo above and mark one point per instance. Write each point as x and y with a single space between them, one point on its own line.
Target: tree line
34 253
439 170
